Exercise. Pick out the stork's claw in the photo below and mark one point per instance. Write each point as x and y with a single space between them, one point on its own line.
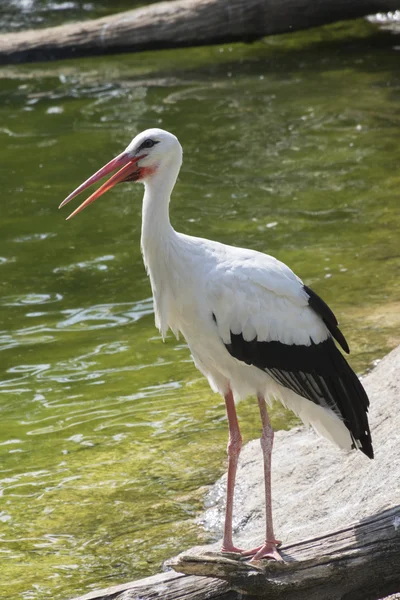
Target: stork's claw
267 550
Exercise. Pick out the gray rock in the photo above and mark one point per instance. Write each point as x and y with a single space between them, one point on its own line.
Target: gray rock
316 487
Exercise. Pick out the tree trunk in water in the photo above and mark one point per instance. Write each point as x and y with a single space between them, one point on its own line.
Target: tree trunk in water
181 23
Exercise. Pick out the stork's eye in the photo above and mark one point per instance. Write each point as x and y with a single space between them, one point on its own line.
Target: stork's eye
148 143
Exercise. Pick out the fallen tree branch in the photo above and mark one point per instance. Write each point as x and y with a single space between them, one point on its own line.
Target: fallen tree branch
360 562
166 586
181 23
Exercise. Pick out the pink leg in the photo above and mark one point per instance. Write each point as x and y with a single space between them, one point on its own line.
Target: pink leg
269 548
234 447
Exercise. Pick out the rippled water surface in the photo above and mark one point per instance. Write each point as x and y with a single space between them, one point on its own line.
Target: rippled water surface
108 436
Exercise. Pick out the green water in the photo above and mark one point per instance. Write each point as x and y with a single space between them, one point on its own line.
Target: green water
108 436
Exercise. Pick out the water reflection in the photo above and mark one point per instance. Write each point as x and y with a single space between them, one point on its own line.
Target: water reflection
76 319
96 263
34 237
105 315
31 299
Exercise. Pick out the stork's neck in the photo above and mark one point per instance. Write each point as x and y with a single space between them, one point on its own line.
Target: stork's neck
157 230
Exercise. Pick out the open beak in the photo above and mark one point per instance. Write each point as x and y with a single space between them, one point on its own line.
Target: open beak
128 171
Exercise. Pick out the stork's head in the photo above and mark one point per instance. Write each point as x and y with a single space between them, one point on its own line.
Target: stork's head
151 151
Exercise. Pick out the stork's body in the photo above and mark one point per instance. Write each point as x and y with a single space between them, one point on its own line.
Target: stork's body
251 325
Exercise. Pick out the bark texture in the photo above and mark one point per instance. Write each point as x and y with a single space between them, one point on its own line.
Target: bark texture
181 23
166 586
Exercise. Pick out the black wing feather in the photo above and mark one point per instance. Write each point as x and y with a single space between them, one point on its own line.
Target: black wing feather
317 372
322 309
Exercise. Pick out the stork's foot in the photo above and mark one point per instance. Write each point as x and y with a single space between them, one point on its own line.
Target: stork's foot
230 548
268 550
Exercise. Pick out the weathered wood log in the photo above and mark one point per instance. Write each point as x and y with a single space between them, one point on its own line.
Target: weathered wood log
359 562
166 586
181 23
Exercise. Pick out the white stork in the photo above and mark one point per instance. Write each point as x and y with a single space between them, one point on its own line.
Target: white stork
252 326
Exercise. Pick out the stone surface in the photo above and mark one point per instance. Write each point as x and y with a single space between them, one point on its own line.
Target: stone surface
317 487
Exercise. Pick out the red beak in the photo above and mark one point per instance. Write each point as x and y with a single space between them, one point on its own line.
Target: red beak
129 172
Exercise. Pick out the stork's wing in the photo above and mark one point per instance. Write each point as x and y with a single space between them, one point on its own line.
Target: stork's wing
282 327
323 310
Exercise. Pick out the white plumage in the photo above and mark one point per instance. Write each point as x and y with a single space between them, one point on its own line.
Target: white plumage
250 293
252 326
